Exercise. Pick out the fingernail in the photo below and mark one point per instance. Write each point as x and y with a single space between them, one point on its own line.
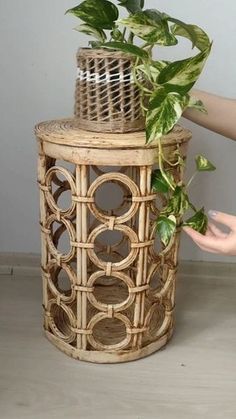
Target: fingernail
212 213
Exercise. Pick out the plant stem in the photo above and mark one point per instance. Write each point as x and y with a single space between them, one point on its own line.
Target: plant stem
191 179
139 85
160 155
147 68
192 206
131 38
145 45
143 107
123 34
169 163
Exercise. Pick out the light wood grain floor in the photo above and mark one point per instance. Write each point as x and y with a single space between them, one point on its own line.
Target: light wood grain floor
193 377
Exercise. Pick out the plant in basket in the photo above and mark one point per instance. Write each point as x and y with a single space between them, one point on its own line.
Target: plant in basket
130 90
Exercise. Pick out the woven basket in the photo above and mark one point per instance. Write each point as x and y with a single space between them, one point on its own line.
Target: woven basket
106 98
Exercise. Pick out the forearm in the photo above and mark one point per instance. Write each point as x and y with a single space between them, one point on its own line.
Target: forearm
220 117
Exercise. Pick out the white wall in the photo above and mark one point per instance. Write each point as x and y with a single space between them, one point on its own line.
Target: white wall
37 50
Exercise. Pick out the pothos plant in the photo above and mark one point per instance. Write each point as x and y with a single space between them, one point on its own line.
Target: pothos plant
164 88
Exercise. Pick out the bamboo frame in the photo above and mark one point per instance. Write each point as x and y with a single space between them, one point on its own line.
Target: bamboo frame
110 313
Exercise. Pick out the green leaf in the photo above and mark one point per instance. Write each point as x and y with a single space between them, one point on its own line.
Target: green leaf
100 14
164 111
133 6
203 164
150 26
98 34
166 227
117 35
95 44
159 183
153 70
196 104
192 36
182 90
127 48
195 34
198 222
184 72
178 203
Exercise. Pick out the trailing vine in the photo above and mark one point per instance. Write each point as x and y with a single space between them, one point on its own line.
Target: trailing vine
165 88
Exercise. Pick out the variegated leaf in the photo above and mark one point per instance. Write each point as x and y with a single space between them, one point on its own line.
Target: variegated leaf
196 104
100 14
133 6
195 34
152 70
166 227
178 203
198 221
203 164
153 31
117 35
128 48
182 90
184 72
164 111
95 44
98 34
161 183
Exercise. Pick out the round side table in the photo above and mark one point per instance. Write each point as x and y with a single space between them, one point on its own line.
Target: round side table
109 294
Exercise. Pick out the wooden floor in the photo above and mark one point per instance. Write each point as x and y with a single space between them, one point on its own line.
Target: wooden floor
193 377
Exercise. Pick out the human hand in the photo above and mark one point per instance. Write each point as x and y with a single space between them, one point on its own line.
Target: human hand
215 240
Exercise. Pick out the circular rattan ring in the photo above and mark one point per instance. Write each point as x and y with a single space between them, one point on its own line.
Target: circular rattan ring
152 294
68 226
52 198
163 327
167 279
53 310
153 204
100 346
100 172
116 307
124 180
117 266
53 270
153 254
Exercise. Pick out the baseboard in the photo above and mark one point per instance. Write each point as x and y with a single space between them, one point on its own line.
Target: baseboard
207 269
28 264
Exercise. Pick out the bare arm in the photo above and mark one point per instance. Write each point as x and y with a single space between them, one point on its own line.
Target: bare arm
221 116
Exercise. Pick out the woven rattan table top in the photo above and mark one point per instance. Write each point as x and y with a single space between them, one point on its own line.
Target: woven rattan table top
67 132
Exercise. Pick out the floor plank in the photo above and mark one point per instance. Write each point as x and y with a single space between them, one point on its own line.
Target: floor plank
194 377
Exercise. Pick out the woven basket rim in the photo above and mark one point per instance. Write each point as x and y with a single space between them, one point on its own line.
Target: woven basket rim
103 52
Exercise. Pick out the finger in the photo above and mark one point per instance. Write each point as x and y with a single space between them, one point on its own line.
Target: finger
214 243
205 248
216 231
209 233
223 218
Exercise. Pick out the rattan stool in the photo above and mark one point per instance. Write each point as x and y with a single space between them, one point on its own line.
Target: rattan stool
120 296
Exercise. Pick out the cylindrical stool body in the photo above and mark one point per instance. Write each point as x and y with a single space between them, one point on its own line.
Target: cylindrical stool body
106 98
119 297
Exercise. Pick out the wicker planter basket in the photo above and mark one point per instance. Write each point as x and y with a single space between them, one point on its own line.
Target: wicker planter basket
106 98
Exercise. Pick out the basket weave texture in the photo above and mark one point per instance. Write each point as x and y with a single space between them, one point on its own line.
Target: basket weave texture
119 300
106 98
